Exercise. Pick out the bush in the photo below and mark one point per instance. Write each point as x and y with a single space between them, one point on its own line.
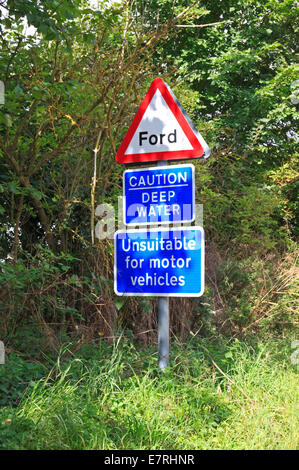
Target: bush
33 292
260 293
15 376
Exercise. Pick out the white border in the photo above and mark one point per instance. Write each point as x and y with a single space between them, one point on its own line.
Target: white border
155 168
206 148
155 294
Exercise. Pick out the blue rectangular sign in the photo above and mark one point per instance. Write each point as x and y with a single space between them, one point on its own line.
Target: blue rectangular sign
162 262
158 195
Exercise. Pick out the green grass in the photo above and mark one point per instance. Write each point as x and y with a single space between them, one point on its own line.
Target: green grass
115 397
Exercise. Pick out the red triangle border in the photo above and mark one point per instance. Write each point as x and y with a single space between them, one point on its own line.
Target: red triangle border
199 148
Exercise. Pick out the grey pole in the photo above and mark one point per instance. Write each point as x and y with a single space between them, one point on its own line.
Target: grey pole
163 331
163 320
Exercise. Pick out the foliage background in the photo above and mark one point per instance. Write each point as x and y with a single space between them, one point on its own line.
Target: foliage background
71 90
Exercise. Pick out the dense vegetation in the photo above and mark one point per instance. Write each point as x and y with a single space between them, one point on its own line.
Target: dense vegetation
113 397
72 85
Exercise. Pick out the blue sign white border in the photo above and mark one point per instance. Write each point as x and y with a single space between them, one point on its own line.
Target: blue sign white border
166 222
155 294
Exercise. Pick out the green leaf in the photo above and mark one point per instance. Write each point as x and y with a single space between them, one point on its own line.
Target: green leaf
119 303
13 188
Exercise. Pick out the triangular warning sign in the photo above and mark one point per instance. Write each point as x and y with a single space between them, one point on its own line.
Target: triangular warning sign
161 130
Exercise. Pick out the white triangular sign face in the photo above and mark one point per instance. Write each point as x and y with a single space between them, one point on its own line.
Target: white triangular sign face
161 130
158 131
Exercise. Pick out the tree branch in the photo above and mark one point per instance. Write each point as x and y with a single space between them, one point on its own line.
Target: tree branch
12 58
201 25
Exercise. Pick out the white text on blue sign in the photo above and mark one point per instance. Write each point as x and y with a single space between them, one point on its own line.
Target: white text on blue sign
159 195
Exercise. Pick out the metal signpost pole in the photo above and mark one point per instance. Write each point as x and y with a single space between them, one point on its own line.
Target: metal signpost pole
163 331
163 320
160 130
